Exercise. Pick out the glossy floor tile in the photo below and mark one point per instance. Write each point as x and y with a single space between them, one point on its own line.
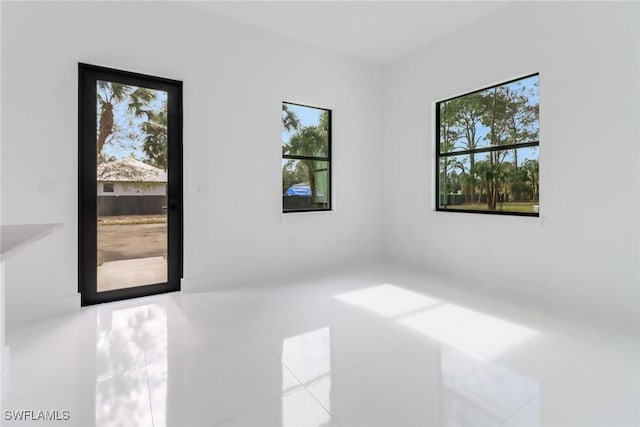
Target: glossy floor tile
295 409
372 346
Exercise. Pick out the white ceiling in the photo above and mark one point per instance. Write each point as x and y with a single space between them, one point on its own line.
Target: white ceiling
378 32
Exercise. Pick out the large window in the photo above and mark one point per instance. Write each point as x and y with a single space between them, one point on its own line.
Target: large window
306 158
487 150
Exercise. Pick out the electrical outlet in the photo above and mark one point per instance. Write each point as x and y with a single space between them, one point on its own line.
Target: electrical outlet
46 186
202 188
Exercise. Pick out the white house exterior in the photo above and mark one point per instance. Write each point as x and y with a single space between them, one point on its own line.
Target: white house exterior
130 187
130 177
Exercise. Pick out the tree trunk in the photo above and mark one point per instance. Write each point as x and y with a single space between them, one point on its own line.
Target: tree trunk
491 187
312 180
491 195
106 125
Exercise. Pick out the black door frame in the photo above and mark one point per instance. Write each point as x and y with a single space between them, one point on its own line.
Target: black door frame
87 178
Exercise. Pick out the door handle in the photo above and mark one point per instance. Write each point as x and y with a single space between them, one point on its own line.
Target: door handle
173 195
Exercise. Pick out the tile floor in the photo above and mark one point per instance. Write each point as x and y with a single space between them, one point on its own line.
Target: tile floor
374 346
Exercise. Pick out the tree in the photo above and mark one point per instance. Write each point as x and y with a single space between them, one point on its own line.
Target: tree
467 113
516 183
292 174
532 168
109 95
522 117
289 119
463 118
512 119
449 135
496 106
310 141
154 143
469 182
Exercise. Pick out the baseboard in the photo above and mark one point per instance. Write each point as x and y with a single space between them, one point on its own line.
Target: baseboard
41 308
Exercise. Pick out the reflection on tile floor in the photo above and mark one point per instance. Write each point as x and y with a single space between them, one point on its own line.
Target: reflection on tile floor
368 347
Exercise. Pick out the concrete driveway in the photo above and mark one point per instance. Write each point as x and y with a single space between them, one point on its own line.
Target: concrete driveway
131 255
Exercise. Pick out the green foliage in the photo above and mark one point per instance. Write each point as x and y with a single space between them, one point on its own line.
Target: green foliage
465 114
154 144
139 99
289 119
532 169
308 141
292 173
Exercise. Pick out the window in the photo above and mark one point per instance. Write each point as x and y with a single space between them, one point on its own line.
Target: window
487 150
306 158
107 187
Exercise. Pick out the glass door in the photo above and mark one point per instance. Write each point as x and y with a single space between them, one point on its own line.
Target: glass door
130 184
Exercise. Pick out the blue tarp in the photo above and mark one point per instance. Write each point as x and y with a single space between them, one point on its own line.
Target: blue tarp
299 190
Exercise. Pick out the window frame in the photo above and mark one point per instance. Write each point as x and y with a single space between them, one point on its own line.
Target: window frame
439 155
108 187
327 159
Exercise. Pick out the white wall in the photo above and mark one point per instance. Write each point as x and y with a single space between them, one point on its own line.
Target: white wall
235 79
583 251
4 360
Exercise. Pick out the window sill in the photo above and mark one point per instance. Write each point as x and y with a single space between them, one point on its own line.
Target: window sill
501 213
314 211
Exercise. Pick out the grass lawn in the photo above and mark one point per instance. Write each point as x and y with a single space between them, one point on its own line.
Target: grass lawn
505 207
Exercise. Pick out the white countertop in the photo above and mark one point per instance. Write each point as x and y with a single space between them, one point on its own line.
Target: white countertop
15 237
